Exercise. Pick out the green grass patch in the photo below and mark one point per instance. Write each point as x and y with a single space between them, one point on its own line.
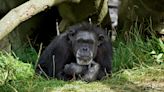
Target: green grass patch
13 69
27 54
140 79
133 48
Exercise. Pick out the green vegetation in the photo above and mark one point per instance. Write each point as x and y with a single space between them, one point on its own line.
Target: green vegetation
136 49
13 69
138 66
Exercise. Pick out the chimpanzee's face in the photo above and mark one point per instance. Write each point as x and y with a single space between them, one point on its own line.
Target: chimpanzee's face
84 45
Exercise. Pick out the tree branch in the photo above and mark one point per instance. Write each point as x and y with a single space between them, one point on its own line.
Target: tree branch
24 12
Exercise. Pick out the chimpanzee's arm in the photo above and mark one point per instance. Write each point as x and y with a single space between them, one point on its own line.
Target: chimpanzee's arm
104 58
92 72
59 48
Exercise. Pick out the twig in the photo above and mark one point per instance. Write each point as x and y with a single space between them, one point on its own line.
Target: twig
54 70
106 72
43 72
73 77
57 28
80 77
90 21
39 53
35 39
29 41
114 34
40 50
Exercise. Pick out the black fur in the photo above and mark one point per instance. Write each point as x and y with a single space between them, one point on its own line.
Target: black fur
61 48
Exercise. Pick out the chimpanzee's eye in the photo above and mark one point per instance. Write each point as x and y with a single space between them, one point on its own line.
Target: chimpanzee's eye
85 41
90 41
80 41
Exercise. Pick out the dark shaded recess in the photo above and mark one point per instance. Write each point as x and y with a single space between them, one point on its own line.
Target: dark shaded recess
47 28
155 5
44 31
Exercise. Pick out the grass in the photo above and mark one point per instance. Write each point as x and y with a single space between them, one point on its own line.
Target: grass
140 79
138 66
134 49
13 69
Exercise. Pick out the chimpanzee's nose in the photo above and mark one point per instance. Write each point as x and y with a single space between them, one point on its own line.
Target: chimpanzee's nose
85 49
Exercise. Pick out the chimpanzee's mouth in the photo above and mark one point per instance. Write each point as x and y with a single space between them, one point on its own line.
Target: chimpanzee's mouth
84 60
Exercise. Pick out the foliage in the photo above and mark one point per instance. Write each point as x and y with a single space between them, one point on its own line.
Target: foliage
27 54
13 69
159 54
135 49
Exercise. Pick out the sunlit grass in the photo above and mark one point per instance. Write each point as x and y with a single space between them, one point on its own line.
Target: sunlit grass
133 48
13 69
139 79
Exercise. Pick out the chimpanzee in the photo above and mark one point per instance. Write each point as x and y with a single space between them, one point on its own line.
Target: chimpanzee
84 49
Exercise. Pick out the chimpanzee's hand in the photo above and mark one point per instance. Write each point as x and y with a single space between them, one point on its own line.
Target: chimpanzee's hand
91 73
74 68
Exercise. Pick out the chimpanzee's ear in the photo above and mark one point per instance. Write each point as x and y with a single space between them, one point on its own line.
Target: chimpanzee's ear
71 34
101 39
